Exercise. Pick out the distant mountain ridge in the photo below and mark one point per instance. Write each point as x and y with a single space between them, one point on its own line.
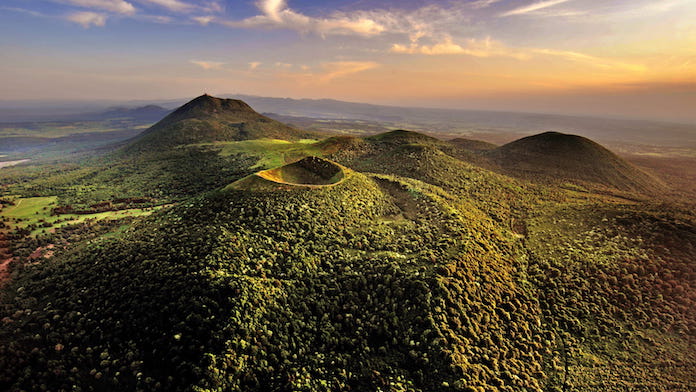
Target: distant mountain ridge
605 130
142 113
613 131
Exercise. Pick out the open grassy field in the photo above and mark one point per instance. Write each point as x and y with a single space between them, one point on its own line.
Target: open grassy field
12 163
30 209
36 211
271 152
62 129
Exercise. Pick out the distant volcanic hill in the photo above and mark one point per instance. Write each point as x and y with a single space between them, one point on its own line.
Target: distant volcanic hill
570 157
208 119
401 136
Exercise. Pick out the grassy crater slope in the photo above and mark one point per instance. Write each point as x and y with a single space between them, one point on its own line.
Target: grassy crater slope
308 172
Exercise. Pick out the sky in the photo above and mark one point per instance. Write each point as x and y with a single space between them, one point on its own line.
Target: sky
627 58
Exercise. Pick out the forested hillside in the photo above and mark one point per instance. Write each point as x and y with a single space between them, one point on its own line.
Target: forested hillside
387 263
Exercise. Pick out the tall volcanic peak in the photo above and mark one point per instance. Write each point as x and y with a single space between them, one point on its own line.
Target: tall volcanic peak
207 119
207 105
571 157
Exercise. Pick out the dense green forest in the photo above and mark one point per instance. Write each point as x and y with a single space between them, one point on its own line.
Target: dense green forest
397 262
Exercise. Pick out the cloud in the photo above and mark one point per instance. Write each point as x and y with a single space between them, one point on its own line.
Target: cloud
647 9
433 21
491 48
275 14
324 72
253 65
172 5
158 19
594 61
203 20
208 65
178 6
25 11
473 47
534 7
214 6
116 6
338 69
483 3
87 19
560 13
283 65
272 8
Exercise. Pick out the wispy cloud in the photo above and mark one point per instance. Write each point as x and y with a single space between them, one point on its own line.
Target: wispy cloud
338 69
203 20
116 6
592 61
87 19
491 48
25 11
253 65
208 65
160 19
172 5
483 3
323 73
533 7
560 13
647 9
276 14
473 47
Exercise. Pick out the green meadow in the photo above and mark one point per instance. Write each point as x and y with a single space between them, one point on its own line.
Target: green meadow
270 152
36 211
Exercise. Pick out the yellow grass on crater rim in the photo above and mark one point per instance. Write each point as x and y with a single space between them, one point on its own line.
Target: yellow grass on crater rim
310 171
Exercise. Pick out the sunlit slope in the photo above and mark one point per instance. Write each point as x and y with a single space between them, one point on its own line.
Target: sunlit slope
417 156
178 157
309 172
371 283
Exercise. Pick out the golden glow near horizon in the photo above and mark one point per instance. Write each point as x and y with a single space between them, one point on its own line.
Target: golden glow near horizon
520 55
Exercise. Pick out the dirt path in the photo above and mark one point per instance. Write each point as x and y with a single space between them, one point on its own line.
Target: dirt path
5 257
12 163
